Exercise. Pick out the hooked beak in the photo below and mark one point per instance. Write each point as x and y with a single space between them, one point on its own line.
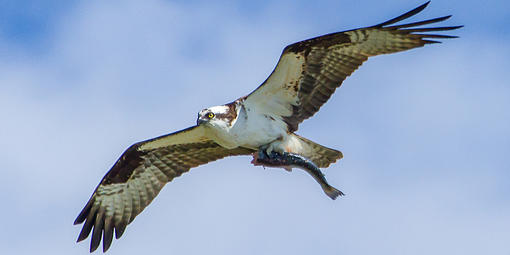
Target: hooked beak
200 121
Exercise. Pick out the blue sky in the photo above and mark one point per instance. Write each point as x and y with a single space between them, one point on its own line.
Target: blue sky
425 133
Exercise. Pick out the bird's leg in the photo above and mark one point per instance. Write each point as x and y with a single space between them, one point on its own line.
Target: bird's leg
288 160
272 159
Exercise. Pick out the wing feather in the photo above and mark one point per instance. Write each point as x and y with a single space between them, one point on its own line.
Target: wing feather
139 175
310 71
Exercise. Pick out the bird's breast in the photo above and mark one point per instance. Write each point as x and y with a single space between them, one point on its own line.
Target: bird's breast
256 129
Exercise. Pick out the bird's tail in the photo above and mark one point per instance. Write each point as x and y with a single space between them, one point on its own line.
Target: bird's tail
320 155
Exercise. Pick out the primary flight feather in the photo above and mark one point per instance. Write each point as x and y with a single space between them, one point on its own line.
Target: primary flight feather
261 124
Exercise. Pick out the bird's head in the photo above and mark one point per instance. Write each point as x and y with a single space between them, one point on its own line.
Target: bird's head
220 116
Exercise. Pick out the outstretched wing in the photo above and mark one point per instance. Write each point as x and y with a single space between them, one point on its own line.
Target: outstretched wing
138 176
309 72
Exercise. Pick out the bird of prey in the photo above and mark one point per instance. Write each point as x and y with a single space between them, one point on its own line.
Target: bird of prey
261 124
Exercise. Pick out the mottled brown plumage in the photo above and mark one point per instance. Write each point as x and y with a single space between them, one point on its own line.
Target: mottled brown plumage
331 58
136 178
306 76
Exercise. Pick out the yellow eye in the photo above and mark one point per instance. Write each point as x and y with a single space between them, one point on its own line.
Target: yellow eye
210 115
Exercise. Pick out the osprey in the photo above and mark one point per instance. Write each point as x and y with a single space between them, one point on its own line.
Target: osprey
261 124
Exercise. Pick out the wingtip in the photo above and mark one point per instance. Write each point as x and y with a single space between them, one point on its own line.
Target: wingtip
419 8
80 238
93 248
405 15
438 36
84 212
424 5
106 246
119 230
430 41
94 243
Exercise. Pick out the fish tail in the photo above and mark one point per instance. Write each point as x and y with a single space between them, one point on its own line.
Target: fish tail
332 192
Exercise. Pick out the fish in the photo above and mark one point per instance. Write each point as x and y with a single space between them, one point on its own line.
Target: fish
288 161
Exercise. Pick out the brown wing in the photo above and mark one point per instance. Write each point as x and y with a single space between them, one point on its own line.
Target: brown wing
309 72
138 176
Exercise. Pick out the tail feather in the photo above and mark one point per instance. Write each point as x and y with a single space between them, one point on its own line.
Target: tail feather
320 155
